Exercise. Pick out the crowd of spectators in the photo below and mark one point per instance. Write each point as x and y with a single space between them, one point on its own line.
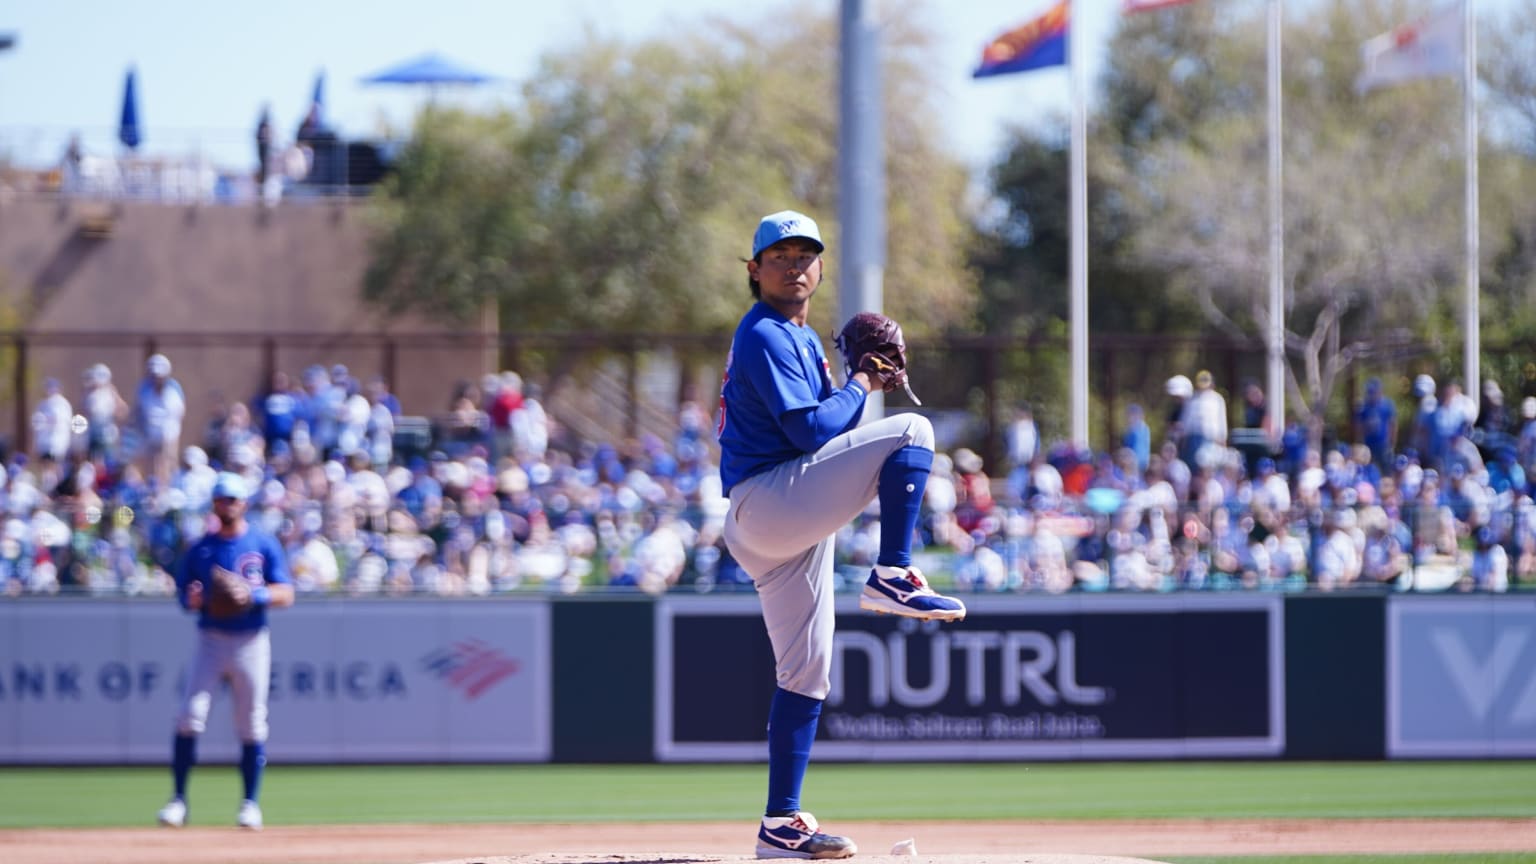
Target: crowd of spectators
115 489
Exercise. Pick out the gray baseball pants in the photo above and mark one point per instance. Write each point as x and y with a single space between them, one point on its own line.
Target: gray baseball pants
245 658
780 527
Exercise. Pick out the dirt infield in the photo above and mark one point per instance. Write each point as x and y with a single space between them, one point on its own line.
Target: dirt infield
1019 842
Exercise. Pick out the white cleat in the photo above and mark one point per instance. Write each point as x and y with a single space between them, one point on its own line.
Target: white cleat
173 814
903 591
249 816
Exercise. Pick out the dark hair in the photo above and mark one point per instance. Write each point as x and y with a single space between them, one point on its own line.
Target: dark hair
752 284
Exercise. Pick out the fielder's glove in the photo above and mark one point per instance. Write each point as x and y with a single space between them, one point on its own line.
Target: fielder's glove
229 595
872 343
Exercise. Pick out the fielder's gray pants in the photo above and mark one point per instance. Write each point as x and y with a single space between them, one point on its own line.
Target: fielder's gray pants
780 527
245 658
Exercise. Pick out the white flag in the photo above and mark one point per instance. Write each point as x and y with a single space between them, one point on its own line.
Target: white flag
1429 47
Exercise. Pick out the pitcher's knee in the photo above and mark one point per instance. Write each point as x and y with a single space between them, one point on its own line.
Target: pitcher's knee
919 430
813 683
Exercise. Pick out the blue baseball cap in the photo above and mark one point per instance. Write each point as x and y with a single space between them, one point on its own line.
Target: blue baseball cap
230 485
782 226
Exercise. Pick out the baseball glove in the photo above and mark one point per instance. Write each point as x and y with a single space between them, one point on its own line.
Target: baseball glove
228 593
872 343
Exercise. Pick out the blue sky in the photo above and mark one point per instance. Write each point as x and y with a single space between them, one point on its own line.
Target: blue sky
206 68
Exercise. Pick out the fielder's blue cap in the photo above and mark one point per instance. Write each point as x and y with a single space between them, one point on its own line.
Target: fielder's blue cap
230 485
782 226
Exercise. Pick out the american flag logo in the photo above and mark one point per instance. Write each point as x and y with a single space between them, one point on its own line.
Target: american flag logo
471 666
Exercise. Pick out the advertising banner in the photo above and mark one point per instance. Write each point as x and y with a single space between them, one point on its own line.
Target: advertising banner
1461 676
352 681
1100 677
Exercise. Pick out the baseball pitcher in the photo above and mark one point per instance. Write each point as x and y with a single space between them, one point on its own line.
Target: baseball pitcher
797 466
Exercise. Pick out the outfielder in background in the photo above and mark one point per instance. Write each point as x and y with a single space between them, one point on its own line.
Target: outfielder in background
797 466
230 578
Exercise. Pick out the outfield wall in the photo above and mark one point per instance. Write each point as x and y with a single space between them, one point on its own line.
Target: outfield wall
688 678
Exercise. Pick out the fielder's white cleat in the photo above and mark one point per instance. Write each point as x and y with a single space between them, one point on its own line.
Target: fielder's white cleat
173 814
249 816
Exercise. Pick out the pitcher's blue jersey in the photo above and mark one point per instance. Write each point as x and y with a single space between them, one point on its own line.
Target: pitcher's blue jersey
255 555
774 367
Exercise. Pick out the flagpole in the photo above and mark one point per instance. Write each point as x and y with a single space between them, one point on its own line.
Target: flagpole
1275 384
1471 321
1079 213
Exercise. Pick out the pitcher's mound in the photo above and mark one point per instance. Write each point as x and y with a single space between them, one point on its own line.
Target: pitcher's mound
681 858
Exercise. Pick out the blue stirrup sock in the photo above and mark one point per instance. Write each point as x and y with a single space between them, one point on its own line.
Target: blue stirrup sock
253 757
903 478
183 757
792 721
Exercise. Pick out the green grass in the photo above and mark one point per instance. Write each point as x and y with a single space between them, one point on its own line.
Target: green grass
1479 858
103 797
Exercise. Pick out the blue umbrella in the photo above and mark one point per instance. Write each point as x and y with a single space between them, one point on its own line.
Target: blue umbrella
128 125
431 69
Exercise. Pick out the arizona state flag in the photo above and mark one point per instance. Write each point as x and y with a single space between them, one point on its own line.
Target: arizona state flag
1035 44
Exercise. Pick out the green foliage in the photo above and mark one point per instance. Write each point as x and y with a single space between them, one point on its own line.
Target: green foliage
621 191
1373 195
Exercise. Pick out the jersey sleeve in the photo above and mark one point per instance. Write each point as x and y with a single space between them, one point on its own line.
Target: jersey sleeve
184 575
277 562
771 363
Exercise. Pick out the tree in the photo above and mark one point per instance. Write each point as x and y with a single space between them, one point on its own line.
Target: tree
620 193
1508 71
1373 187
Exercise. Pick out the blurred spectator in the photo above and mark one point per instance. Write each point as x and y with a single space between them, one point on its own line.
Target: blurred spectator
1525 446
263 147
1452 424
647 514
104 409
380 429
1256 410
353 418
503 395
278 409
973 498
1425 403
1023 439
1180 391
1376 424
315 414
70 164
1204 423
1339 558
160 407
1491 428
1489 570
378 392
52 429
466 423
530 425
1383 560
1138 436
